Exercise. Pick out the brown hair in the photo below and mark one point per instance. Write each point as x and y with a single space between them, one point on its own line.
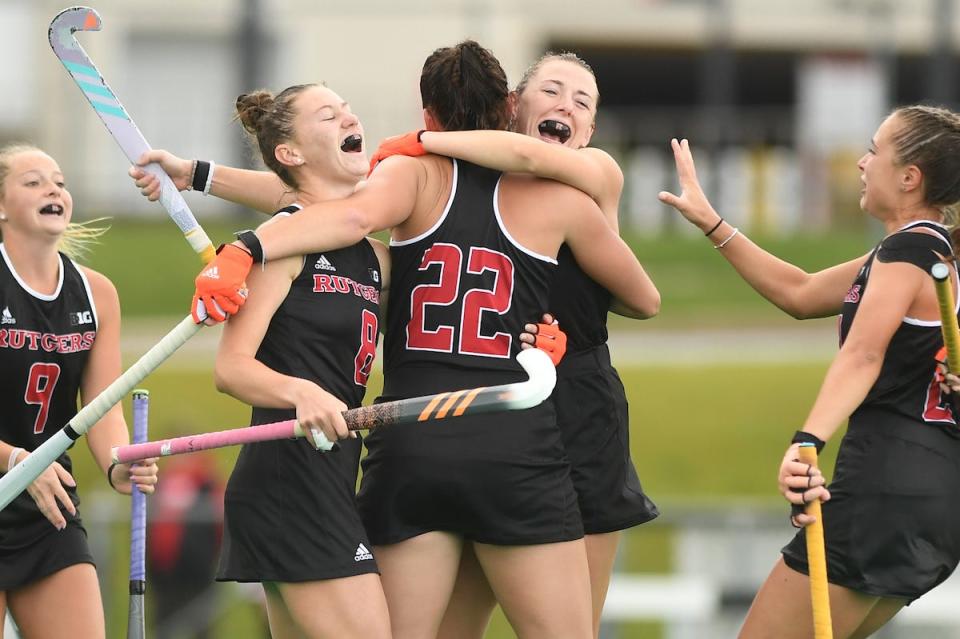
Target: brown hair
78 237
465 88
269 119
564 56
929 137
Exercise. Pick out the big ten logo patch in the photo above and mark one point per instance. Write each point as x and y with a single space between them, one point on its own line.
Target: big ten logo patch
81 318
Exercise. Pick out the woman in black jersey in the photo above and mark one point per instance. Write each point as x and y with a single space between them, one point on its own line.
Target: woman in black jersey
59 338
304 348
892 528
475 251
555 106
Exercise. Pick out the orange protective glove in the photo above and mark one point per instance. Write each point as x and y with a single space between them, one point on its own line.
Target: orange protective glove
407 144
220 289
552 340
941 357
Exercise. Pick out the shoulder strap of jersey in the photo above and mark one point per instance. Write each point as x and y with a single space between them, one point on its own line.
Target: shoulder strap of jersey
920 249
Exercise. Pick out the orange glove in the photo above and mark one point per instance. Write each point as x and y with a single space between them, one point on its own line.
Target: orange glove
552 340
941 357
407 144
220 289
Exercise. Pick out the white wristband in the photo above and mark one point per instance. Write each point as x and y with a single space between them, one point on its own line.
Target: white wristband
12 459
209 184
724 243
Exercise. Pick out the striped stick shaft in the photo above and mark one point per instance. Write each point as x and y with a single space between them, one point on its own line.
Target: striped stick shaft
516 396
817 559
136 620
115 117
16 481
948 314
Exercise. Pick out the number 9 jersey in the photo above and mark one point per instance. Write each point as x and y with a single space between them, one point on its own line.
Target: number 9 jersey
45 341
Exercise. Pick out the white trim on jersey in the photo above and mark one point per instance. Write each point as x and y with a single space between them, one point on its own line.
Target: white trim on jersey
506 233
23 285
443 216
913 321
86 286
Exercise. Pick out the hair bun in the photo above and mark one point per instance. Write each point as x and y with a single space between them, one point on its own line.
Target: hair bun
251 107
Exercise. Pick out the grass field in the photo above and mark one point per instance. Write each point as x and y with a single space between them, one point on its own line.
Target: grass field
714 431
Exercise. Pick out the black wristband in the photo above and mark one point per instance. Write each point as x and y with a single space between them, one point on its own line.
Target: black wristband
200 175
249 239
715 227
801 437
110 475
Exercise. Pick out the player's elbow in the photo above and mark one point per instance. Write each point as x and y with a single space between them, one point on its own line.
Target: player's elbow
223 376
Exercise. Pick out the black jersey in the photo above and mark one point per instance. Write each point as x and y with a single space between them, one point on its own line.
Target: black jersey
326 329
460 294
579 303
906 384
45 341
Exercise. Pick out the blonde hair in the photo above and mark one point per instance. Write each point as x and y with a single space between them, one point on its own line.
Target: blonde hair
78 237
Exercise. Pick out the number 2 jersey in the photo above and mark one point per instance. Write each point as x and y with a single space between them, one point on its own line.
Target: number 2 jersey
906 384
460 295
45 341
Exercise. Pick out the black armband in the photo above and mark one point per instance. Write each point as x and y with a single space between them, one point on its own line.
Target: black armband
249 239
801 437
201 176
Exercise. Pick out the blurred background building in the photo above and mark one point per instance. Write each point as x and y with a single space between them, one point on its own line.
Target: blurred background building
780 97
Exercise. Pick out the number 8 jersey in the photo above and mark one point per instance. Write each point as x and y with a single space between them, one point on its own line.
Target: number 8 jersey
460 294
45 341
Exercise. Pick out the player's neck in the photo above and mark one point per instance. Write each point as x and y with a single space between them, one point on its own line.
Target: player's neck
35 260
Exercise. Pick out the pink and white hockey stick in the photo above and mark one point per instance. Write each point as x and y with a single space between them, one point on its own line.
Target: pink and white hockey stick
541 379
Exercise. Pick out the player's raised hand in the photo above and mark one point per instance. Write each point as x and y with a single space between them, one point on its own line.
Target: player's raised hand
692 202
177 168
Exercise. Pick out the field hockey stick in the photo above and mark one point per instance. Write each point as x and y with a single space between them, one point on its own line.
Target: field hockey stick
20 476
948 314
542 377
817 558
136 622
118 122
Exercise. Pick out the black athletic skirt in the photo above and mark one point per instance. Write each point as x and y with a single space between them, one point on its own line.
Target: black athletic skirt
49 551
290 515
500 478
892 526
594 422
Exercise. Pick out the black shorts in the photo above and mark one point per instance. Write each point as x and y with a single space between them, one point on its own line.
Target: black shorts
892 525
49 551
290 515
497 479
594 422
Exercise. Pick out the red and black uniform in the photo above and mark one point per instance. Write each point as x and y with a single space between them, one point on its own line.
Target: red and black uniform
592 409
460 294
892 527
290 511
45 341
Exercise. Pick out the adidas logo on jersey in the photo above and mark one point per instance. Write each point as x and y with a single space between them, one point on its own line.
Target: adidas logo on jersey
6 317
324 264
362 553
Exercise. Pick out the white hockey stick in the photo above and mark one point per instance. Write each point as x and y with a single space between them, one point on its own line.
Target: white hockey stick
121 126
